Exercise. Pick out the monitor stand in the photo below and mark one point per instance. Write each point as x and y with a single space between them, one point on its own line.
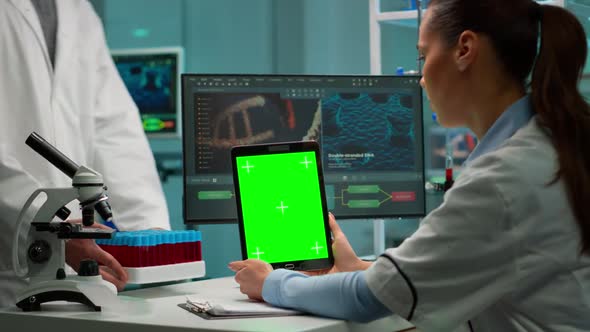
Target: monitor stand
378 237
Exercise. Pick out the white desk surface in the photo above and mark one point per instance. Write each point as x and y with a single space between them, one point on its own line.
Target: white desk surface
155 309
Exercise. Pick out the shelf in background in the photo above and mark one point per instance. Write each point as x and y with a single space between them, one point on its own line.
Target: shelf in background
407 16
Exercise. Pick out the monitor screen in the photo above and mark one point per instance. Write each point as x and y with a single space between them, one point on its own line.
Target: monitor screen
152 77
369 128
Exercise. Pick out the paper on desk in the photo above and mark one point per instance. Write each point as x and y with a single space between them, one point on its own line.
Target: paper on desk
237 307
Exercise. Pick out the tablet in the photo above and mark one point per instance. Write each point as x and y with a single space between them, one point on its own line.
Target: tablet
281 205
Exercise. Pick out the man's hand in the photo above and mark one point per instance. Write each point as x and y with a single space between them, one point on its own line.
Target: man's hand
345 259
110 269
250 274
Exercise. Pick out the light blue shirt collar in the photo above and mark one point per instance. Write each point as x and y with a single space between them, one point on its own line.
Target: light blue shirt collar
514 118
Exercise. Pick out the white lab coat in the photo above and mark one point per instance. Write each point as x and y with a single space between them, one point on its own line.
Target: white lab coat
501 251
82 108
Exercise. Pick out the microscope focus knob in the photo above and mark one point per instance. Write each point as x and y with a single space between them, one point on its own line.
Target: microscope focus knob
88 268
60 274
39 251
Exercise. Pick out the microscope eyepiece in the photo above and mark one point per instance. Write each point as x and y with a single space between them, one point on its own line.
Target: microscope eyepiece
53 155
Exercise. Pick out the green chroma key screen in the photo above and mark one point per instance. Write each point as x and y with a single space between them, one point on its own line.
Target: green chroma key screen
282 207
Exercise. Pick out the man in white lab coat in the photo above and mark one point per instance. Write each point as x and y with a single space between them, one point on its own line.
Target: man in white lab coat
58 79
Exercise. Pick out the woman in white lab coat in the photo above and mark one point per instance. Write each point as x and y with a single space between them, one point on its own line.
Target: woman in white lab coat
509 248
59 80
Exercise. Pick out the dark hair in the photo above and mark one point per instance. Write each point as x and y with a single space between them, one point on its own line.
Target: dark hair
513 28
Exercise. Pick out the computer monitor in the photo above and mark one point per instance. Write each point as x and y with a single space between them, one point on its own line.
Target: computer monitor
152 76
369 128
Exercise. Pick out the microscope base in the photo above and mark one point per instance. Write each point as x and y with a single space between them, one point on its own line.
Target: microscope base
91 291
33 302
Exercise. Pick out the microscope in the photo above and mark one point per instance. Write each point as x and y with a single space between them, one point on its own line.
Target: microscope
45 243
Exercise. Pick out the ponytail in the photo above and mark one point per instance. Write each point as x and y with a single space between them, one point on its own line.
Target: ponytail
561 108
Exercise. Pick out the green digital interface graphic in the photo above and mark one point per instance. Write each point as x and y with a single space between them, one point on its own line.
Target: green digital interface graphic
158 123
282 207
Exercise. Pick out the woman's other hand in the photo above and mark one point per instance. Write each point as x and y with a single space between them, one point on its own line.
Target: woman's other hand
250 274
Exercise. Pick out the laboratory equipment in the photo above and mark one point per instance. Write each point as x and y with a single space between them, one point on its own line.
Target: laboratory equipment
45 242
449 181
157 256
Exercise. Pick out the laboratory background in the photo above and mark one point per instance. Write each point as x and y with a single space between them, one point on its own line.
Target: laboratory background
315 37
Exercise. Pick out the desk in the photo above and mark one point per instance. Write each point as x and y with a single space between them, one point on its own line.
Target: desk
155 309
